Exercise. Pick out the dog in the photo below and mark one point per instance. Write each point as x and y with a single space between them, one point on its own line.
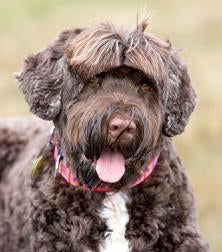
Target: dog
107 177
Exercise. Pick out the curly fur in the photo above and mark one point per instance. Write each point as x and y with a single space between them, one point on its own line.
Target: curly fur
81 81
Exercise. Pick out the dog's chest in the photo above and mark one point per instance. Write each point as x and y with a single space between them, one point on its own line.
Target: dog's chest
115 213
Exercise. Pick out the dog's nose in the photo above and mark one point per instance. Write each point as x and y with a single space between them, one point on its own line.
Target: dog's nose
119 126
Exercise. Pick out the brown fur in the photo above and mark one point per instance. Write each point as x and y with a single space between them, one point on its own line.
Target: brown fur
81 81
103 47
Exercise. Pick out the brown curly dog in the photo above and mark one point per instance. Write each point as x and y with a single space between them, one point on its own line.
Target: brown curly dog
107 179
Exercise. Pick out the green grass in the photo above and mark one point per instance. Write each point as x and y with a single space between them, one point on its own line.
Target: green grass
27 26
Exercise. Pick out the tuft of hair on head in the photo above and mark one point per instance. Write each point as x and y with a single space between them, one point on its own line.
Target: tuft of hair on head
103 47
96 49
141 25
146 52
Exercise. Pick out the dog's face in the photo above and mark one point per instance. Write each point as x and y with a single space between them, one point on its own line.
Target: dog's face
112 96
113 127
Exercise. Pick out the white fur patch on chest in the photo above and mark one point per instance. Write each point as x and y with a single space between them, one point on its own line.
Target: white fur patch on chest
116 216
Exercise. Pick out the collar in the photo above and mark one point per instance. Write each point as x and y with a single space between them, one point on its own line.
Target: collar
65 172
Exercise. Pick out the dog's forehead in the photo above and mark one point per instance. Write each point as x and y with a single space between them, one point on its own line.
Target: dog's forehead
127 75
103 47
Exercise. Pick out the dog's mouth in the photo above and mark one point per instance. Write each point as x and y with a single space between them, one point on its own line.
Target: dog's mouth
110 166
115 164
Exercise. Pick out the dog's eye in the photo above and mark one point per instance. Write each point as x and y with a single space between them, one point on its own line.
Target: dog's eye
147 86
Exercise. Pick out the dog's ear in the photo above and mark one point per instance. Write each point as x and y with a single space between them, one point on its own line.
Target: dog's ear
180 97
42 75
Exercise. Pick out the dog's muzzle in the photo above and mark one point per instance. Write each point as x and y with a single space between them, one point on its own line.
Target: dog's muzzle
121 127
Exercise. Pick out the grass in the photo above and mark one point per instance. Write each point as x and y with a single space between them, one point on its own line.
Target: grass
27 26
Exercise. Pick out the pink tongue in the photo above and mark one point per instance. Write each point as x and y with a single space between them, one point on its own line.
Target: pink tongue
110 166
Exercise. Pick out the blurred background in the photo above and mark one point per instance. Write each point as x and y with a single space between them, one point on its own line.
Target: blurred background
27 26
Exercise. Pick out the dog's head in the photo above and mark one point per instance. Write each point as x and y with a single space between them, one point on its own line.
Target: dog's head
112 95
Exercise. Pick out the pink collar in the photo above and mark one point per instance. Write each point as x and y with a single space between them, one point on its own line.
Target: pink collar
71 179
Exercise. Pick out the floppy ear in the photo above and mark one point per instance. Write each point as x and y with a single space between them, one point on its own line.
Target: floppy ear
181 98
42 75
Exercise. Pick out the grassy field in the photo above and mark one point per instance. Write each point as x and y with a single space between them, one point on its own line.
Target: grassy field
27 26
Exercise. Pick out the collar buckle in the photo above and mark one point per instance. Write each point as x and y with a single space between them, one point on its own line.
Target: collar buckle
57 164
